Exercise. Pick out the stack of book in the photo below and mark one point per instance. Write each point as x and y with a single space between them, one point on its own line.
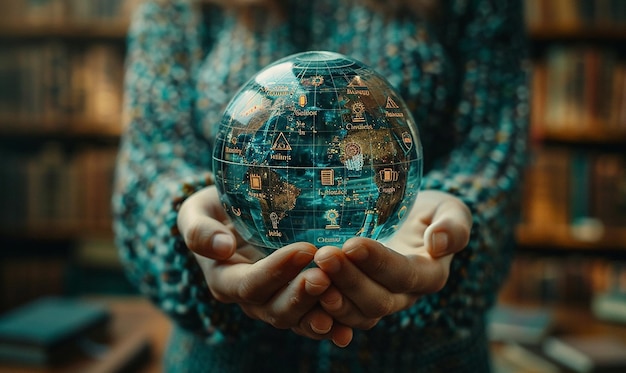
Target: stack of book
65 333
527 340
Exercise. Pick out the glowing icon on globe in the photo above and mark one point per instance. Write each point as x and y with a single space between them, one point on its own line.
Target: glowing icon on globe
317 147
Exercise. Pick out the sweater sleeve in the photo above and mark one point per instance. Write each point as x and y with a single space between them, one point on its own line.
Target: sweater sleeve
485 167
164 158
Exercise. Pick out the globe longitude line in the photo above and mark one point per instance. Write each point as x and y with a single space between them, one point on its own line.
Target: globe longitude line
313 142
302 76
344 124
292 229
348 79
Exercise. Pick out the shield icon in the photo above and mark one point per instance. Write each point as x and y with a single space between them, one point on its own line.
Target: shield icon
407 140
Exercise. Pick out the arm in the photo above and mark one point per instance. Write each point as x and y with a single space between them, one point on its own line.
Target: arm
476 185
485 168
163 195
162 161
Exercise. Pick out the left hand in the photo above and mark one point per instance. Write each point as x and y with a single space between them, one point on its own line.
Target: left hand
277 289
373 279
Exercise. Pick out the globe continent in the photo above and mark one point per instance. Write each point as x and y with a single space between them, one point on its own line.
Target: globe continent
317 147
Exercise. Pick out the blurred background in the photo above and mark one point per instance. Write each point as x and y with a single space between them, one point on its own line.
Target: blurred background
61 77
61 74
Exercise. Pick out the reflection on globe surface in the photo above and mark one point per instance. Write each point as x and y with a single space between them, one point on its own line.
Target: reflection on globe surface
317 147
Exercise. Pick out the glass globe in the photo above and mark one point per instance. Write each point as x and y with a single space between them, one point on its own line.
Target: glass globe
317 147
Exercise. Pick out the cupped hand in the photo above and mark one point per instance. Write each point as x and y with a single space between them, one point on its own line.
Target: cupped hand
277 289
371 279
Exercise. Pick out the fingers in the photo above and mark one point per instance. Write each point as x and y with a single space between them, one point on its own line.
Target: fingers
295 307
278 291
344 310
341 335
371 281
447 221
287 307
275 289
200 221
417 273
236 280
319 325
358 299
450 228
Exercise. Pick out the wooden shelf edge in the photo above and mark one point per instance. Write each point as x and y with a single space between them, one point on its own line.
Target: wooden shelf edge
581 136
57 232
576 31
98 29
61 128
564 237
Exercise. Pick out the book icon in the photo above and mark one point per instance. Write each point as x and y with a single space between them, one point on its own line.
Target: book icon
328 177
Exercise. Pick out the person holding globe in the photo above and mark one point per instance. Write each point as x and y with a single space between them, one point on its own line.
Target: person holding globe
416 302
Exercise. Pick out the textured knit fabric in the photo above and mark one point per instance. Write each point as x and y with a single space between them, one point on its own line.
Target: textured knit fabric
462 75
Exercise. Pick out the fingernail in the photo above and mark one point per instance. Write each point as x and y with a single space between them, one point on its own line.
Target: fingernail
332 302
222 245
439 243
302 258
340 344
330 264
322 330
314 289
358 254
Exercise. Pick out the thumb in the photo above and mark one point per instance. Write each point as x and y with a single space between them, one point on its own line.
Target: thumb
203 234
450 228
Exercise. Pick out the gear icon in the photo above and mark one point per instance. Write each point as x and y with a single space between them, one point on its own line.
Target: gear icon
358 108
317 80
332 215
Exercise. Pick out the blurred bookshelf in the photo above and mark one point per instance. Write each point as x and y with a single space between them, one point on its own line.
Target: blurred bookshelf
571 256
576 187
61 77
575 190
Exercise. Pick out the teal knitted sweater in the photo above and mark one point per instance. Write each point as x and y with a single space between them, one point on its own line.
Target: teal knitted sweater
462 74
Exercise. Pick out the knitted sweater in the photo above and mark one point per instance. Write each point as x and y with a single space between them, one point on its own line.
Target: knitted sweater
463 76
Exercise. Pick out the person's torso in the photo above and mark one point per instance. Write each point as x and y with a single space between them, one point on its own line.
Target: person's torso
406 51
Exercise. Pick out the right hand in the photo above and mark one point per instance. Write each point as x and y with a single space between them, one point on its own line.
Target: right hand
276 289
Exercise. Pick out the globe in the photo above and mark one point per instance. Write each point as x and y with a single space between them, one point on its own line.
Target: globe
316 147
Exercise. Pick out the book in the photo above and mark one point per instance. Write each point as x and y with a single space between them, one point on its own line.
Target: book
587 354
516 324
548 177
522 359
49 330
610 306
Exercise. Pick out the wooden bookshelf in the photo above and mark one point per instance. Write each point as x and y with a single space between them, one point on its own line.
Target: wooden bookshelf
61 79
578 120
572 238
